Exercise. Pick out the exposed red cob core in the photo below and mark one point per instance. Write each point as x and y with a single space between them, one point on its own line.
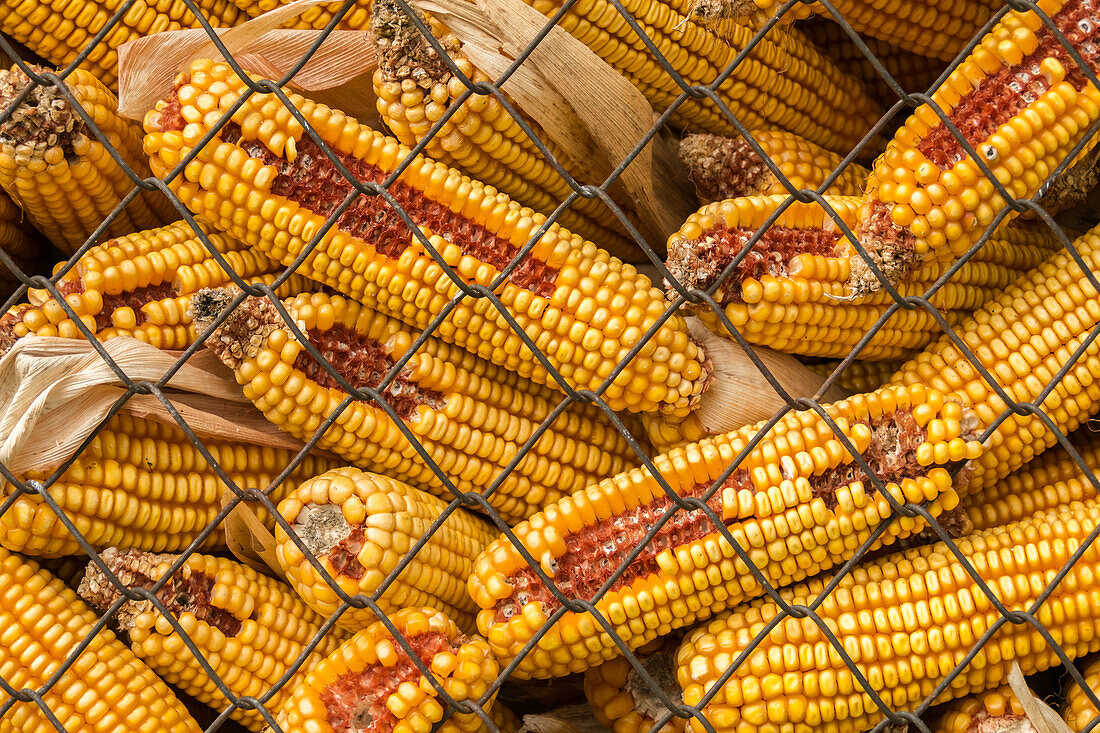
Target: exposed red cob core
356 701
70 287
313 182
192 595
697 263
892 456
171 118
133 299
598 550
345 555
1000 96
363 362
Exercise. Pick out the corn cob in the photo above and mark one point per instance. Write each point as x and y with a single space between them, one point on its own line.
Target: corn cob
787 293
622 701
796 502
1021 101
371 684
141 484
1078 710
582 308
140 285
59 173
941 30
59 34
783 82
984 712
914 72
249 627
1048 481
482 139
1023 338
471 417
906 621
105 690
726 167
859 376
360 526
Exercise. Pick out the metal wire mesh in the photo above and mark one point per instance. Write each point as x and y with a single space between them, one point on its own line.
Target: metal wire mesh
467 292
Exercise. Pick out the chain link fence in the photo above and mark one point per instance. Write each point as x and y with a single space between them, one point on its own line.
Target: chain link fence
259 495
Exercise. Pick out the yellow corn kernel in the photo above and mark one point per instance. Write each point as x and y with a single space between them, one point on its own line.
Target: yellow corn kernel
472 418
622 700
1022 338
1020 102
858 376
727 167
141 484
1048 481
788 293
997 706
140 285
57 170
912 71
59 33
1078 710
415 88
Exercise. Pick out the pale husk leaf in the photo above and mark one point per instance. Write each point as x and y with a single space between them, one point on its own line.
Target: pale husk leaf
341 66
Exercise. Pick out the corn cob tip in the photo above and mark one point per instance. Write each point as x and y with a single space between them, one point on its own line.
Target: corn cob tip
44 118
243 333
891 247
723 167
187 591
134 569
403 52
1072 187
